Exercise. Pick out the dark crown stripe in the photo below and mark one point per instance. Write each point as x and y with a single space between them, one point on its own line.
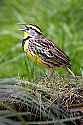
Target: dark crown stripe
35 26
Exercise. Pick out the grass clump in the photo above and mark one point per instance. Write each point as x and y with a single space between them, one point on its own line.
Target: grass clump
60 21
54 101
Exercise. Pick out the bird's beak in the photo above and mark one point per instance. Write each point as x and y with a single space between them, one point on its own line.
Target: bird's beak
24 27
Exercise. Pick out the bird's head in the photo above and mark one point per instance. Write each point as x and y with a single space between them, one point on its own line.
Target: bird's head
31 31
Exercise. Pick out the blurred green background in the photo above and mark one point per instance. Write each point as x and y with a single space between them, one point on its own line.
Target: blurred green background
60 20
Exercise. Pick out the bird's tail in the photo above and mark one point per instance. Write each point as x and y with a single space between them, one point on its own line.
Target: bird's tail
70 71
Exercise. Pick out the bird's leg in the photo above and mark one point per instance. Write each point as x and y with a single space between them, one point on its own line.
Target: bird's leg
50 72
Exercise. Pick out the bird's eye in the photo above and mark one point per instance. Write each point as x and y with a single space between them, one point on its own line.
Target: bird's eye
32 32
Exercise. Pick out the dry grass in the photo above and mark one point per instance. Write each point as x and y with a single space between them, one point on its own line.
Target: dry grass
53 101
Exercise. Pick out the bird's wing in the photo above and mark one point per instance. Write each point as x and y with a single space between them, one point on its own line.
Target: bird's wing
49 52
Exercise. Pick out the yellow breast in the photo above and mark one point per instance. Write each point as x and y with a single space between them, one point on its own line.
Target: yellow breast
35 58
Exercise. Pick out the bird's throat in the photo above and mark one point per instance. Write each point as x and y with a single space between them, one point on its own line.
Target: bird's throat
26 34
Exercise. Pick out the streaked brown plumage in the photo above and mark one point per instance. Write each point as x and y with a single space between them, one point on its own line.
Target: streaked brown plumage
42 50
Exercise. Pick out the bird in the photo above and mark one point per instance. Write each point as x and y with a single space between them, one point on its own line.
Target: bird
43 51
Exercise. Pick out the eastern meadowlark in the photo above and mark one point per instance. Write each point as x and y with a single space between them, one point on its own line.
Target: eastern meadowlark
43 51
